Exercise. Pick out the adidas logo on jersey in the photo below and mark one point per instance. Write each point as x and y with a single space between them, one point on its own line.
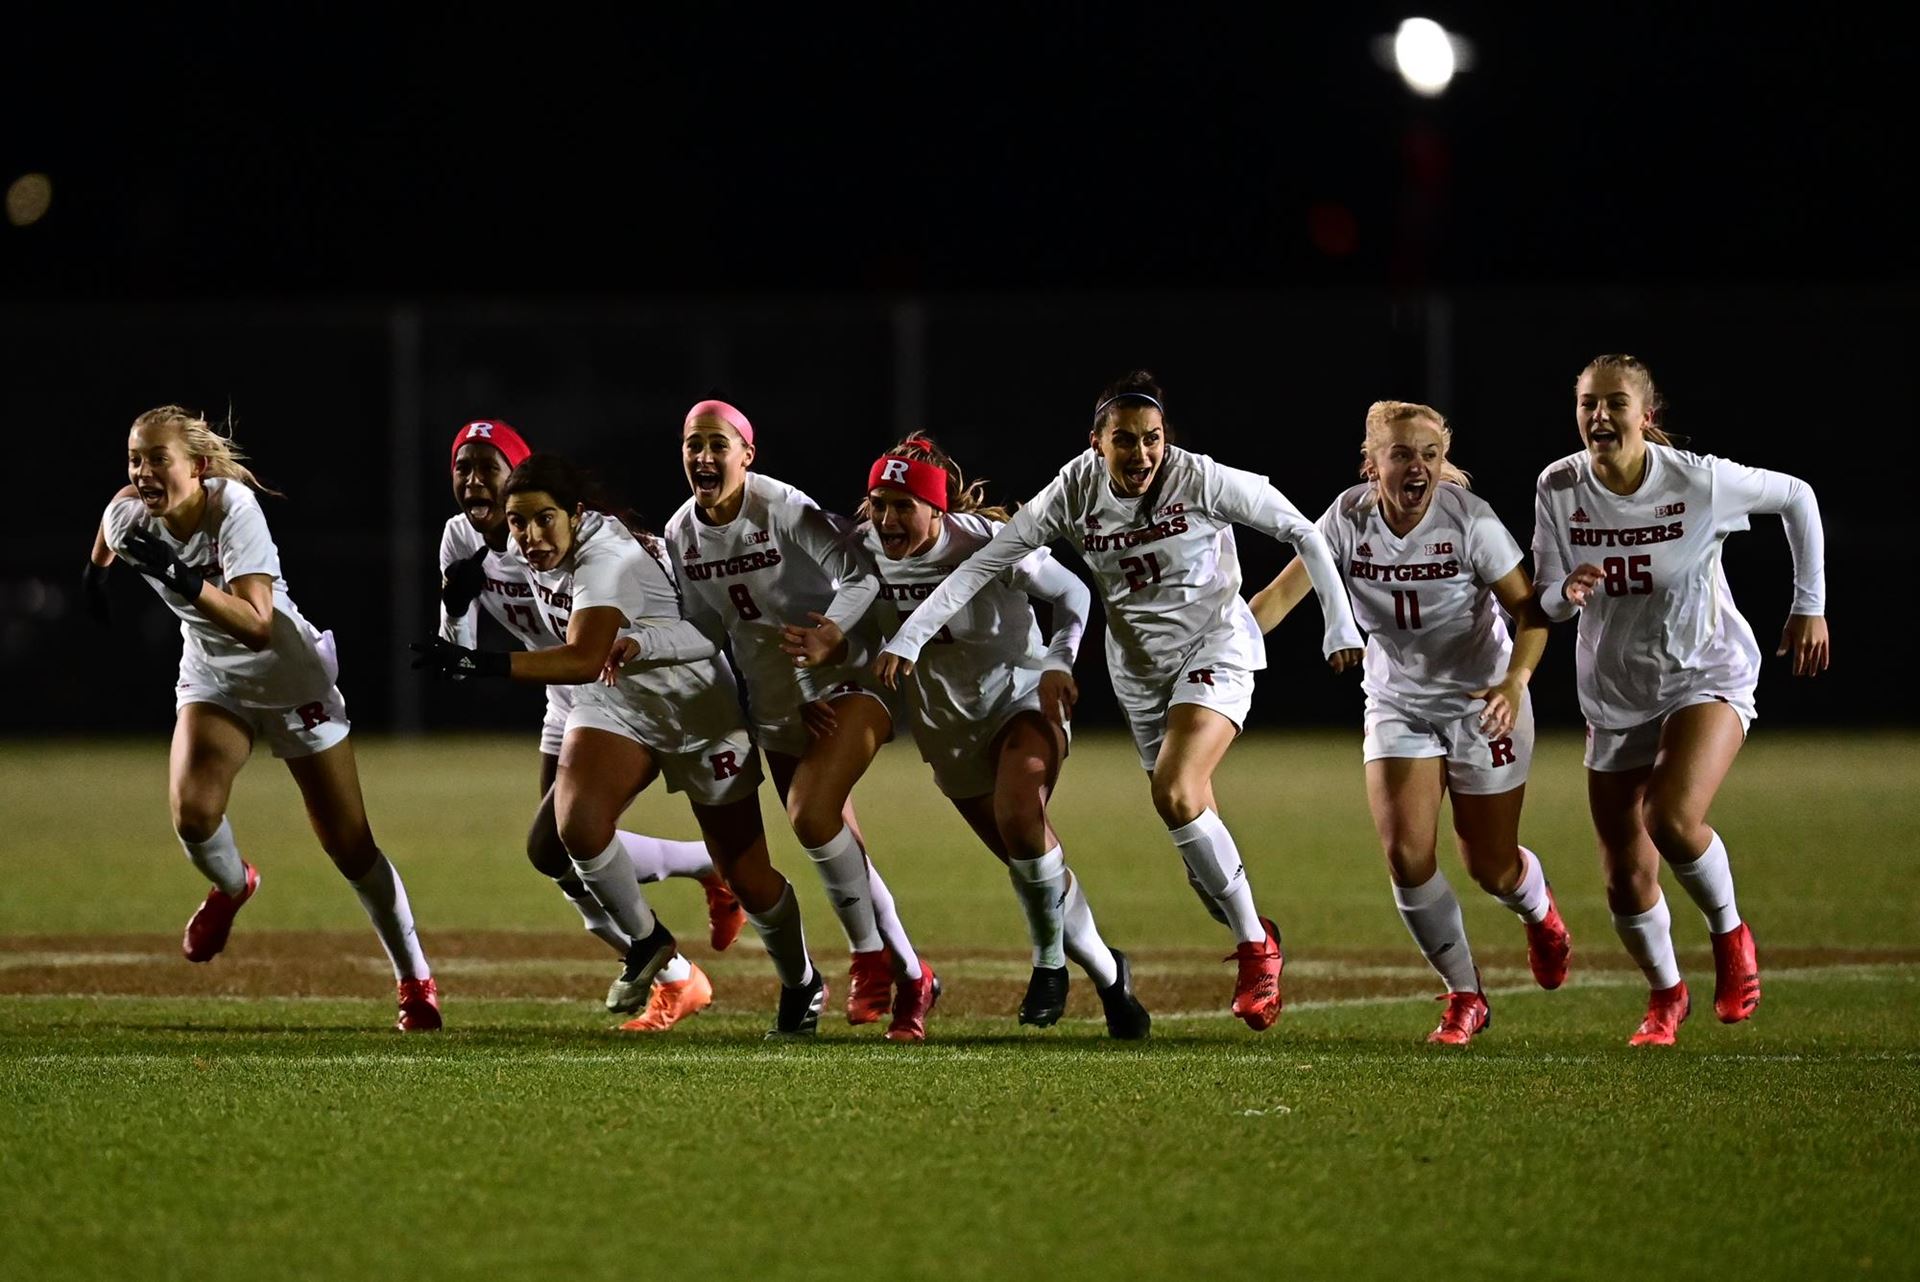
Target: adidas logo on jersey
1580 515
692 553
1093 523
1365 549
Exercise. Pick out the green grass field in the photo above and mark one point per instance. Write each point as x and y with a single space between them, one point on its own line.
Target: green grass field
254 1117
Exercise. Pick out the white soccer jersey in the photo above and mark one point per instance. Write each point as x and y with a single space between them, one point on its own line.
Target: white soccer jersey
1661 630
779 559
1434 631
1165 563
675 692
508 596
989 655
232 542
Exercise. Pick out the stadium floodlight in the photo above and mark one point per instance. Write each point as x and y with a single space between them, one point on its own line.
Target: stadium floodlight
1426 55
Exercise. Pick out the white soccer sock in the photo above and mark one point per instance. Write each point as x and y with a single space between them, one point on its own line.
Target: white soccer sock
842 866
218 858
675 971
1432 914
1207 901
786 941
1708 881
887 919
592 915
385 899
610 877
1084 945
1042 886
1649 940
656 858
1529 898
1215 862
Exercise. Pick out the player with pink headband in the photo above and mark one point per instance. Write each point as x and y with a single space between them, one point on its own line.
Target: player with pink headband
253 671
480 563
753 554
1155 524
990 705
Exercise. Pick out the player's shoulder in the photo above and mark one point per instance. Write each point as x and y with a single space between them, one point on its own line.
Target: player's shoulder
458 535
232 498
1563 474
1685 460
1458 501
1355 505
776 495
681 521
972 527
124 513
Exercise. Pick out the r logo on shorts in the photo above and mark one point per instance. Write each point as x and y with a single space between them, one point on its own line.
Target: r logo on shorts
311 715
1502 751
725 765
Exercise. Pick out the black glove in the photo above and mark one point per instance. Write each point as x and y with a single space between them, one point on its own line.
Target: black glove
93 590
157 560
462 582
449 662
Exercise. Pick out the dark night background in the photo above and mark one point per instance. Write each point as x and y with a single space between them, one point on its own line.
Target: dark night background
360 232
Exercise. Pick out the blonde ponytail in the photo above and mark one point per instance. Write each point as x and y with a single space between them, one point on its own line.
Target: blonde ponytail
205 443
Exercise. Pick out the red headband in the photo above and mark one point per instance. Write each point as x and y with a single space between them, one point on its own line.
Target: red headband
491 431
725 413
922 480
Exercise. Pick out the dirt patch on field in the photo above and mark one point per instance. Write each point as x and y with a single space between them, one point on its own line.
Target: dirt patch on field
511 964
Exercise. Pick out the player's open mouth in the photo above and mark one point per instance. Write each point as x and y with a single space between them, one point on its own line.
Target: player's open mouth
1137 477
1413 491
478 509
893 543
706 482
1602 436
540 558
151 494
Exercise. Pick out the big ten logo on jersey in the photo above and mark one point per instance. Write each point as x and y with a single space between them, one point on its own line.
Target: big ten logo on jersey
759 536
1670 509
1443 548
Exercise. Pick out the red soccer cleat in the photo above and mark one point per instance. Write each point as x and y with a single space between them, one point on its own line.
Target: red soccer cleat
725 916
212 922
1256 988
869 986
670 1003
419 1006
1736 975
1667 1009
1467 1014
912 1003
1548 947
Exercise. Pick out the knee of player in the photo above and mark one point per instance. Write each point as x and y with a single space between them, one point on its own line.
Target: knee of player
582 836
814 824
1179 799
1494 870
195 820
1022 825
545 851
1407 853
1670 826
1631 885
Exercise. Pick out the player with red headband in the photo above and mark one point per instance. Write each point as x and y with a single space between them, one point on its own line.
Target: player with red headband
669 710
1155 524
479 563
753 554
252 670
990 705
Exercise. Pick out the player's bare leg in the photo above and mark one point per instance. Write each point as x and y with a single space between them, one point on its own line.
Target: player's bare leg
1404 795
1631 865
600 774
210 745
1487 829
738 844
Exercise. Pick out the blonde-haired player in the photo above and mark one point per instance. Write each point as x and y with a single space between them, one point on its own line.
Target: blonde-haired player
482 567
668 709
1628 534
252 669
1155 524
989 704
755 555
1447 705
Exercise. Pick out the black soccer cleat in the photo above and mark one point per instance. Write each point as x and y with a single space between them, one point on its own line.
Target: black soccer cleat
1046 999
800 1006
1127 1019
647 957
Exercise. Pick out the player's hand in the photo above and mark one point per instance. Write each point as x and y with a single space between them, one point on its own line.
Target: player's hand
445 661
1805 638
1502 710
462 583
814 647
889 668
1058 693
156 560
1580 584
1341 660
93 590
625 651
819 718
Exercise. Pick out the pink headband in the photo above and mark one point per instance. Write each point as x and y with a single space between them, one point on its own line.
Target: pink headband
725 413
922 480
491 431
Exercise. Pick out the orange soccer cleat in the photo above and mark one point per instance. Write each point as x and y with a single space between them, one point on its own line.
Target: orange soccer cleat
912 1002
670 1003
212 921
1548 947
419 1006
725 916
1736 975
1667 1009
1467 1015
1256 987
869 986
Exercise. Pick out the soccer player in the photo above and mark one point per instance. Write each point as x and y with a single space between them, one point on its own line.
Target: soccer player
754 554
1447 705
1155 524
990 705
671 710
252 669
1628 534
479 563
